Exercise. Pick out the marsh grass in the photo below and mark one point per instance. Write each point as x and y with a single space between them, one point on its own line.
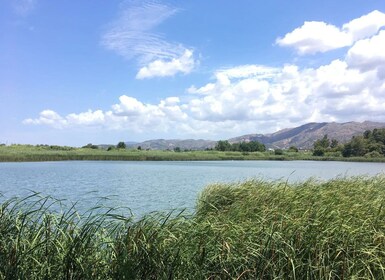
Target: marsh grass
250 230
21 153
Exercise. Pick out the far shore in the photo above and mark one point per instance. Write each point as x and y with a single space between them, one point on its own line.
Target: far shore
29 153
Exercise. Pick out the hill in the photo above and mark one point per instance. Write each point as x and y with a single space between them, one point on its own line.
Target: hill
304 136
163 144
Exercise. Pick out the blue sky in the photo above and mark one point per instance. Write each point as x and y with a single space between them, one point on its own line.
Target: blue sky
78 72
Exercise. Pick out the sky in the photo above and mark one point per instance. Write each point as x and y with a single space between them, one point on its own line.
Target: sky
79 72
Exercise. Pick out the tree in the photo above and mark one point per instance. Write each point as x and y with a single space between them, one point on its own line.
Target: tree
318 152
323 143
278 152
121 145
90 146
293 149
223 146
177 149
356 147
334 143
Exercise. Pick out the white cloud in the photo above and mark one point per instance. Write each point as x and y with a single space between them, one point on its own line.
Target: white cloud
256 98
368 54
293 96
89 118
47 117
365 26
317 36
164 68
132 36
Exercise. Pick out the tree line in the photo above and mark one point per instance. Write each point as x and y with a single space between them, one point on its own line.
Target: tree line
252 146
370 144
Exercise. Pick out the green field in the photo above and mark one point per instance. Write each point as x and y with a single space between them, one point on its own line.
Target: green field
250 230
19 153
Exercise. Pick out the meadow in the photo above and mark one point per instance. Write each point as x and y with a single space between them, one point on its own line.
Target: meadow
249 230
22 153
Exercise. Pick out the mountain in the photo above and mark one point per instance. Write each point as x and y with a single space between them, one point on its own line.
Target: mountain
304 136
163 144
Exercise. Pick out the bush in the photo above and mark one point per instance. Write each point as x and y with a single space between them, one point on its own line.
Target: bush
318 152
373 154
278 152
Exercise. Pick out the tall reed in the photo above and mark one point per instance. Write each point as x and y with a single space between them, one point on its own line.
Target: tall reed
250 230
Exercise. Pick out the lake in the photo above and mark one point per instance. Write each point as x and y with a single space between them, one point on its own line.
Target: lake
151 186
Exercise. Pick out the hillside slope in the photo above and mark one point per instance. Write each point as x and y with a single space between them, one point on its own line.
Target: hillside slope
304 136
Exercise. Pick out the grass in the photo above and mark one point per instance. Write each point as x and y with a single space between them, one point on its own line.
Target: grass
21 153
250 230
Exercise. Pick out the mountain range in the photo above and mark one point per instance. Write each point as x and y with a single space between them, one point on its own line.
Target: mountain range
302 137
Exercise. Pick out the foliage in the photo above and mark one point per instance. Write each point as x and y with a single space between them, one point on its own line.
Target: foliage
371 143
223 146
121 145
250 230
17 153
293 149
177 149
252 146
318 152
278 152
325 145
90 146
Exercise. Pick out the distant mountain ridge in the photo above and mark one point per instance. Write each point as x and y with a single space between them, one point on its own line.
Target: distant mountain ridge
302 137
305 135
163 144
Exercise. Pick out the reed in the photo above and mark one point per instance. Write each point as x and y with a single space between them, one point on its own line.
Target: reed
21 153
249 230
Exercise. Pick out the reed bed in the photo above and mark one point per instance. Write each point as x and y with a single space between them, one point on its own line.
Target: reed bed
249 230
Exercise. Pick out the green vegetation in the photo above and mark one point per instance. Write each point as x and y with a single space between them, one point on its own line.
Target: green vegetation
121 145
250 230
18 153
370 145
47 153
252 146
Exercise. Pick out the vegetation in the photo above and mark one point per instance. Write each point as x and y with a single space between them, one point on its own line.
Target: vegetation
252 146
369 145
121 145
16 153
250 230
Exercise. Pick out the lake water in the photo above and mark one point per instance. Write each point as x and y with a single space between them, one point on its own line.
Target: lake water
151 186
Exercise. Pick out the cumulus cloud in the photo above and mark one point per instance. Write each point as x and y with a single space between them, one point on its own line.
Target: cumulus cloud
289 97
132 35
318 36
47 117
164 68
258 98
368 54
315 36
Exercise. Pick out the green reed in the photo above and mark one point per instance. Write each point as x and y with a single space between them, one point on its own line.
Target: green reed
250 230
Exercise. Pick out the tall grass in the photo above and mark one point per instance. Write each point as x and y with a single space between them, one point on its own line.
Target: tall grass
250 230
20 153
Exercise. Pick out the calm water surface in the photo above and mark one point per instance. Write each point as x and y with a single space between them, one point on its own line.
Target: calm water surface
150 186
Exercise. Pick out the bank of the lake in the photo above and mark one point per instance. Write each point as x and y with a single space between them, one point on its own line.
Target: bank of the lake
252 230
28 153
